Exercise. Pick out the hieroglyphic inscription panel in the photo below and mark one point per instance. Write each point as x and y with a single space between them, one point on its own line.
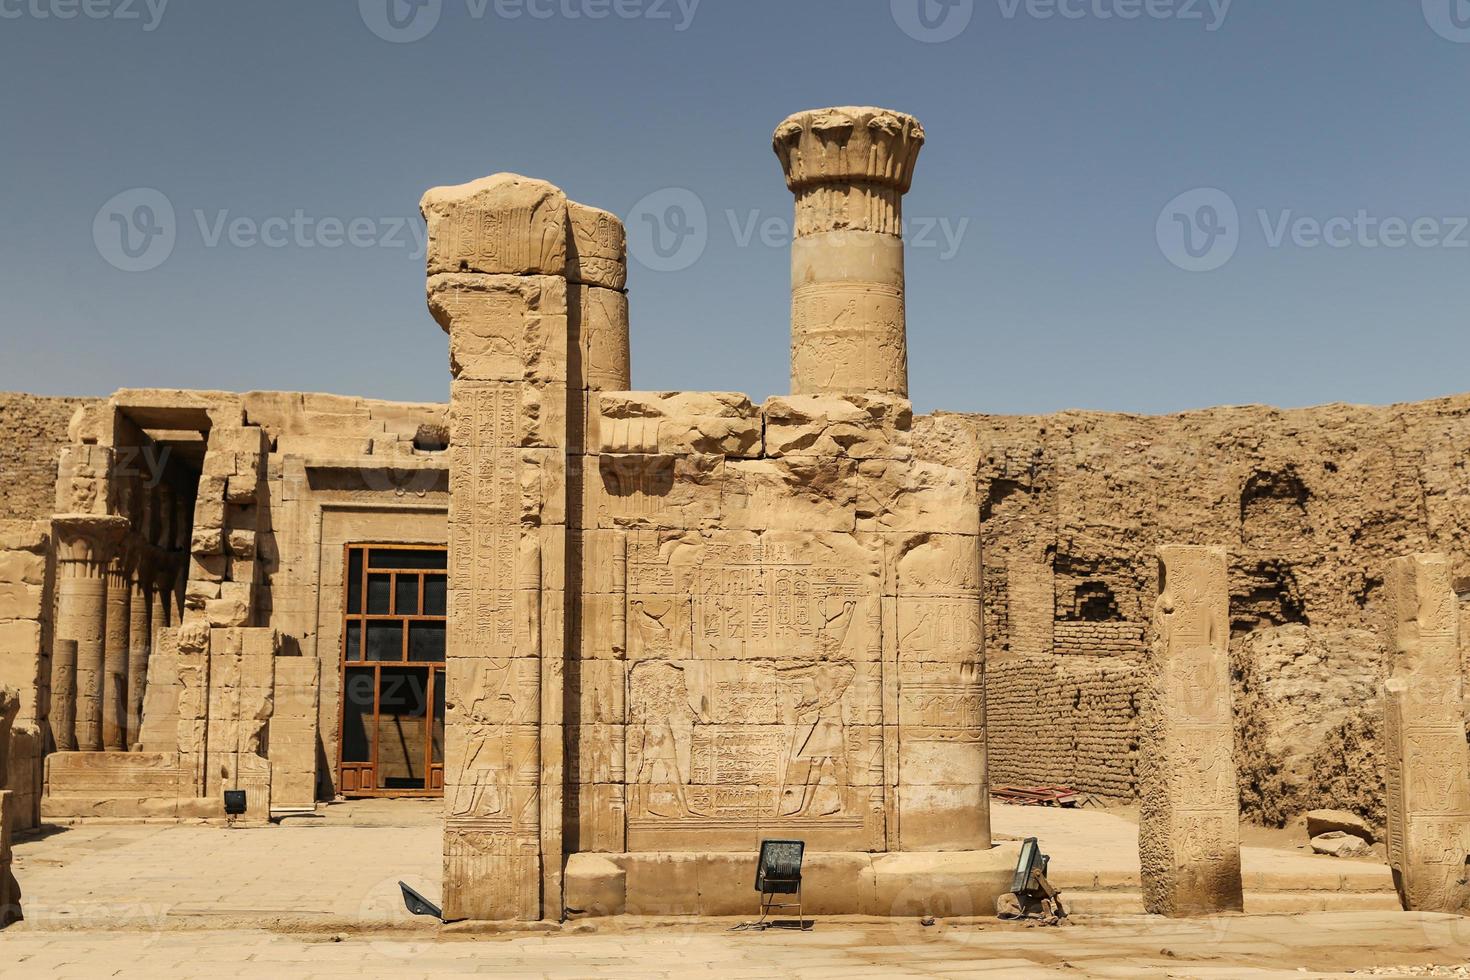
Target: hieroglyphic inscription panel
754 690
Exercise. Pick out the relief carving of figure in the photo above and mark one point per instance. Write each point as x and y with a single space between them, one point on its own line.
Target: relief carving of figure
833 633
483 785
661 708
816 767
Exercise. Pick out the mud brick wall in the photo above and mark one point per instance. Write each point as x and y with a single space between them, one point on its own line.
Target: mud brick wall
1064 722
1098 639
33 431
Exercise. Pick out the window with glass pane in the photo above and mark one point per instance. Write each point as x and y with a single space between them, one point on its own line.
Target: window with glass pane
394 621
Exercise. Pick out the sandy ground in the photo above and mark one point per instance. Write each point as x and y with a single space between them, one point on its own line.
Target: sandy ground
319 897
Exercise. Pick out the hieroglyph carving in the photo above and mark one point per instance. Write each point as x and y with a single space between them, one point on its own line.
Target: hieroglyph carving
1427 763
1189 835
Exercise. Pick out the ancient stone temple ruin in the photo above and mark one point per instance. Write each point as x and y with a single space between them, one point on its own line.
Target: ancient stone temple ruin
627 635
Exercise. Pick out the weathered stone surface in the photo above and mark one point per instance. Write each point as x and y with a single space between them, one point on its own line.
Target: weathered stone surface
849 169
503 328
502 224
10 895
1189 834
677 423
597 251
1322 822
1336 843
1427 762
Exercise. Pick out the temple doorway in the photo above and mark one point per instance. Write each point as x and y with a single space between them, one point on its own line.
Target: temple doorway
393 639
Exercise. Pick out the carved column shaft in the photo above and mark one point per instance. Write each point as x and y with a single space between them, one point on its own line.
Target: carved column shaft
115 650
849 169
63 716
84 547
140 634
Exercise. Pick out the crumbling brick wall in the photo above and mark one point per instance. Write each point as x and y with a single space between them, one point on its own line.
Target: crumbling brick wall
1310 504
1052 721
33 431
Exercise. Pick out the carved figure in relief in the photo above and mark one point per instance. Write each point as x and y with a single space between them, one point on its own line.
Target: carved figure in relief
832 635
654 621
1432 776
816 767
483 790
661 708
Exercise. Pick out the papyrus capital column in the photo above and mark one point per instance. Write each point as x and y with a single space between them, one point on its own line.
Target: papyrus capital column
84 547
849 169
120 571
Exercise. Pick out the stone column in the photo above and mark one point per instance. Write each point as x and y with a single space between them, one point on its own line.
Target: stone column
1426 761
115 655
140 641
1189 815
497 285
849 169
64 696
84 547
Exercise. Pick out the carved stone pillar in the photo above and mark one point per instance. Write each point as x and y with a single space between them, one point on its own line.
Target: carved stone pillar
84 547
497 285
1189 817
1426 760
140 641
115 650
63 717
849 169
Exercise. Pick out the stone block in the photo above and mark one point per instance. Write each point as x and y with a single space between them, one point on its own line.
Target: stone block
502 224
597 253
503 328
857 426
676 423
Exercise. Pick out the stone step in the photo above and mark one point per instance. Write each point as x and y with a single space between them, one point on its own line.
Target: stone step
1256 903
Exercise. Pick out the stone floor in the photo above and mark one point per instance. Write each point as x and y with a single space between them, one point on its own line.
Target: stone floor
1313 944
319 897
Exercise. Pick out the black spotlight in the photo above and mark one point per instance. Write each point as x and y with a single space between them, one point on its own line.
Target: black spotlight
235 802
418 904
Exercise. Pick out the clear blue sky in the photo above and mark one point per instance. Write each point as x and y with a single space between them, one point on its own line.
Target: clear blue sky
1055 144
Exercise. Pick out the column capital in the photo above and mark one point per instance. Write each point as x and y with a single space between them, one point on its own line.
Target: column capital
849 146
87 540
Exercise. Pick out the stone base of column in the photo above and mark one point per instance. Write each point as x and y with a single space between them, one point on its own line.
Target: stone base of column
954 884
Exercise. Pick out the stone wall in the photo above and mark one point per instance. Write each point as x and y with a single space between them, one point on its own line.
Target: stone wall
33 431
27 589
1310 505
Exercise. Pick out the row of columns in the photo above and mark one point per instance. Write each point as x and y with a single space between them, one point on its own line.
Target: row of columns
113 594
